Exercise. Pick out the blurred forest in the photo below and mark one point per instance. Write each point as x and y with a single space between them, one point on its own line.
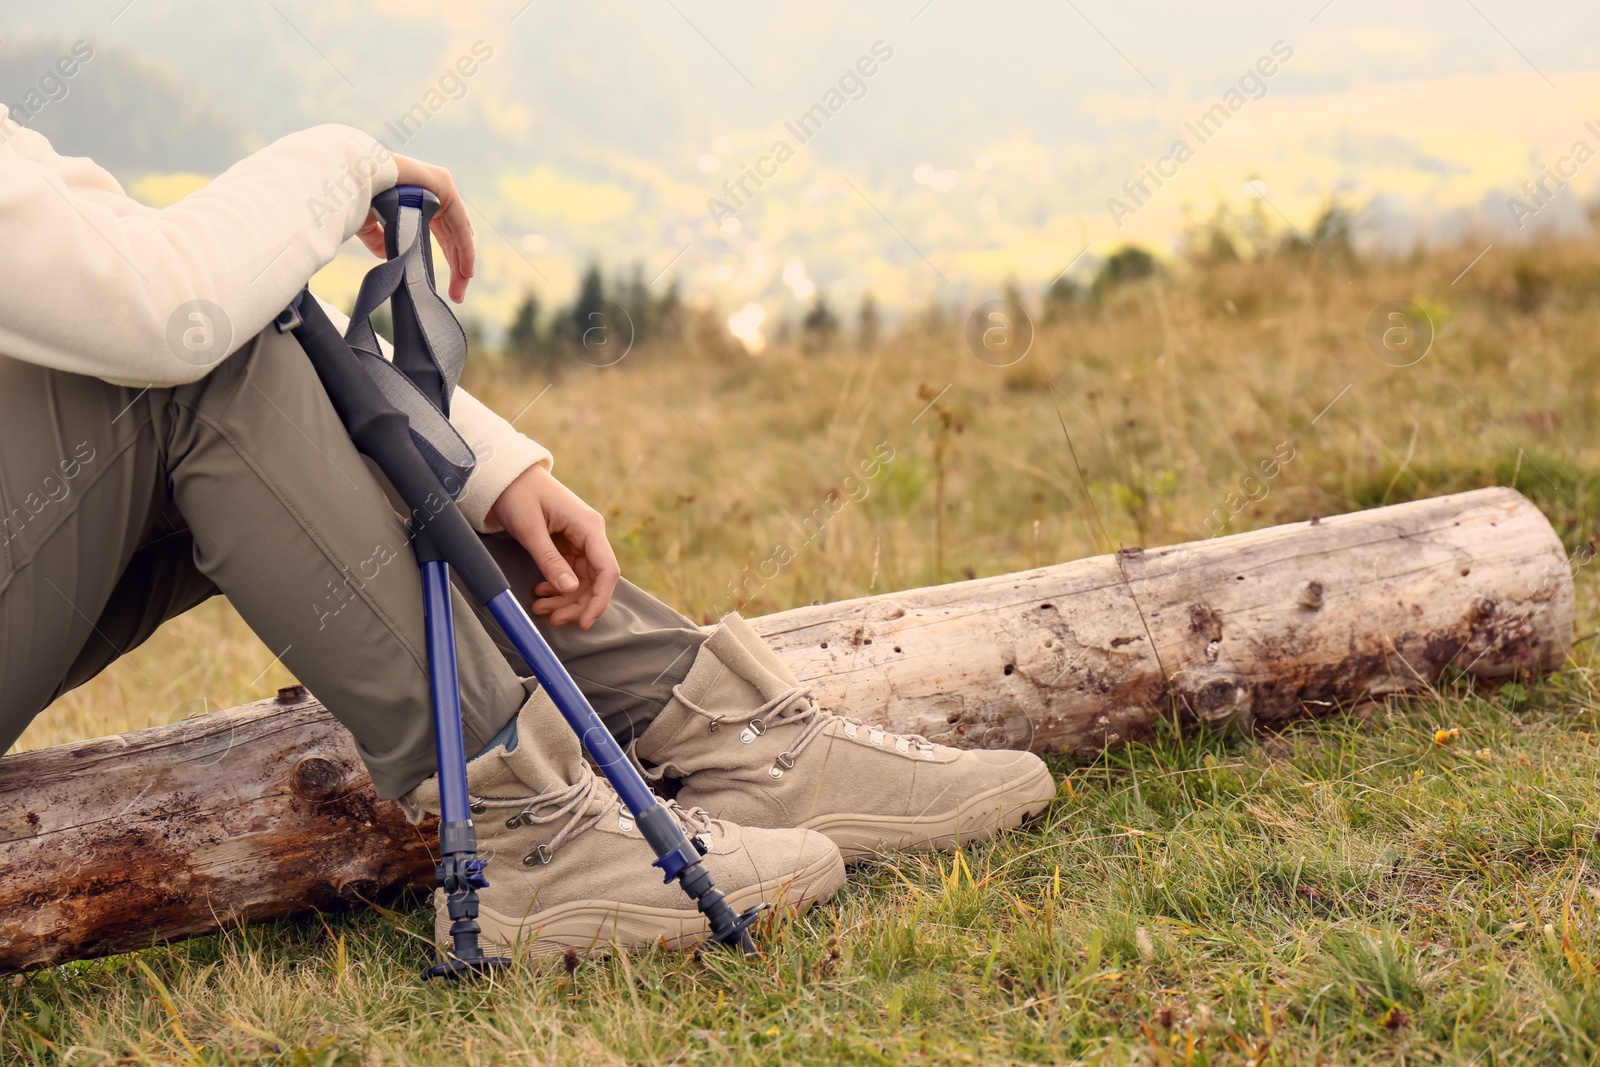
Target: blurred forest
114 96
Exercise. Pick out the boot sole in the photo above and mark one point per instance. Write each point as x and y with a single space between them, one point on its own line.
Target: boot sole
977 818
594 927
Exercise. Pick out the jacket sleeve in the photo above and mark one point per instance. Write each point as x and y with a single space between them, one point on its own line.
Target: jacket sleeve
503 452
95 283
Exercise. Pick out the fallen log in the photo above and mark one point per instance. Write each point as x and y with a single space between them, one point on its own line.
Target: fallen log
264 811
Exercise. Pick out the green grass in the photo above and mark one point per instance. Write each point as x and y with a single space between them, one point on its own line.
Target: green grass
1363 888
1351 890
1360 888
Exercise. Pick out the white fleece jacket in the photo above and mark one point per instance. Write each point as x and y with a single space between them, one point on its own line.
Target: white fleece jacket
89 277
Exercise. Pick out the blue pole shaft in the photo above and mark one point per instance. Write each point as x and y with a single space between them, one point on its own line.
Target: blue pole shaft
445 690
574 706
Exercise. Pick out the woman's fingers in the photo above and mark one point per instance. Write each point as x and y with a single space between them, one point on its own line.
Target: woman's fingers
451 228
550 560
597 580
553 524
594 561
371 234
607 573
454 232
562 610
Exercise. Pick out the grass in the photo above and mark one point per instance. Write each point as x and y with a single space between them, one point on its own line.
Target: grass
1364 888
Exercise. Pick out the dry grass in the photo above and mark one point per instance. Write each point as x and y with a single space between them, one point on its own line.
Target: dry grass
1349 892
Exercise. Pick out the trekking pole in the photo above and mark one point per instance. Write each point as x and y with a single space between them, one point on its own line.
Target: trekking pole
396 414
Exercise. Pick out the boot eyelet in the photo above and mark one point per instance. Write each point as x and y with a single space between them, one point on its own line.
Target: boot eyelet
775 771
624 824
785 760
513 822
753 730
902 745
927 752
876 737
538 855
714 723
851 729
478 807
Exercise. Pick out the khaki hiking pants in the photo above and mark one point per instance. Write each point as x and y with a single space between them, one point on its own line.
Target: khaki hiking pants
121 508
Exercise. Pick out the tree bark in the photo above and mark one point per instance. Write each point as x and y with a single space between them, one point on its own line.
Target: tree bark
1249 629
265 811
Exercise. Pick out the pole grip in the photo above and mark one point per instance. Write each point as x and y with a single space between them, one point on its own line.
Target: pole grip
406 212
389 205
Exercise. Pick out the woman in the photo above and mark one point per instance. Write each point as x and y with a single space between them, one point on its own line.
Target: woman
160 444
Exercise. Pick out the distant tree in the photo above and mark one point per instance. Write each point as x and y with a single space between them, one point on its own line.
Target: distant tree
1060 298
522 336
819 327
667 315
1212 241
1014 295
111 108
1334 233
1220 248
590 303
635 300
526 344
585 313
868 326
1130 263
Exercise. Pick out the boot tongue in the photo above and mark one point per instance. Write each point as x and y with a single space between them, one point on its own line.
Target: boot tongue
738 650
759 650
546 756
488 777
494 776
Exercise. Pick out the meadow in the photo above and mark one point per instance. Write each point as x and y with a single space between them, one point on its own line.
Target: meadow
1396 883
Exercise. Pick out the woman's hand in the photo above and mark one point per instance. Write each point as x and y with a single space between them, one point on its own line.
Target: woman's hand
450 227
567 539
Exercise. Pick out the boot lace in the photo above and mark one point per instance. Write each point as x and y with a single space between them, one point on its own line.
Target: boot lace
696 822
572 803
796 706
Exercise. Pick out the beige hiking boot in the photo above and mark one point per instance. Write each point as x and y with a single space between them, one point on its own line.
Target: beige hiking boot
568 868
751 745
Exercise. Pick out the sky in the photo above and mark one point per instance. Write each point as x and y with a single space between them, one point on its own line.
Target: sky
954 146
